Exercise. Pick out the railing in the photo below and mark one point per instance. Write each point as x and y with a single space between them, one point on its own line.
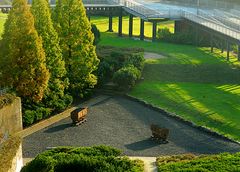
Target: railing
212 25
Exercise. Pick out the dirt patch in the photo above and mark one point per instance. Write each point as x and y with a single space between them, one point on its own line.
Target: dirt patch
148 55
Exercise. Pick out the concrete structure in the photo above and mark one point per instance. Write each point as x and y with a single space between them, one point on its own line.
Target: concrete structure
10 124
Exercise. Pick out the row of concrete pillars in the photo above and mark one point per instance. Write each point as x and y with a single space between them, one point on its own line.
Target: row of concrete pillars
130 31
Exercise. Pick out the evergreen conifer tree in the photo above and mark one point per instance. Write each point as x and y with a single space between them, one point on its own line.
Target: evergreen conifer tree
76 41
54 97
22 57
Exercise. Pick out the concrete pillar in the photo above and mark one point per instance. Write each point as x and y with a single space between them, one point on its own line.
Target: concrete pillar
120 23
154 31
130 25
238 52
141 29
222 47
228 50
110 21
177 26
196 37
211 42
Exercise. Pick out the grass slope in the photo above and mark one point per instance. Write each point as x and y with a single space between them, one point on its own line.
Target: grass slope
190 163
191 82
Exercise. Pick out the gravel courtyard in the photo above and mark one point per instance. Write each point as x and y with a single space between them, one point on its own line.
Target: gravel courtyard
125 124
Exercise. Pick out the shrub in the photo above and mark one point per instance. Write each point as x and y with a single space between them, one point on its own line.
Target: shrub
179 38
137 60
97 35
96 159
192 163
126 77
28 117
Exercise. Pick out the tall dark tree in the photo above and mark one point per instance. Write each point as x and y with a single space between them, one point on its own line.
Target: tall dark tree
54 97
76 41
22 57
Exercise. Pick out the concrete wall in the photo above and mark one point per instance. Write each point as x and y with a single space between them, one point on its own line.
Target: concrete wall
17 162
11 118
10 124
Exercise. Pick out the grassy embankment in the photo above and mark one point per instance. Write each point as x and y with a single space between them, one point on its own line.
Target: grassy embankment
189 81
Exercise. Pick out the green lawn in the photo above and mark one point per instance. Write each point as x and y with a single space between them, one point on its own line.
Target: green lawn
102 23
191 82
3 18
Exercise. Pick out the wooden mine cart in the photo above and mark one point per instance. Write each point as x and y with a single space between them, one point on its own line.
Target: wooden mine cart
159 133
78 115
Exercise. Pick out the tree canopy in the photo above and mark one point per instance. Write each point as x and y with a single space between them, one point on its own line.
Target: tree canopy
22 56
76 41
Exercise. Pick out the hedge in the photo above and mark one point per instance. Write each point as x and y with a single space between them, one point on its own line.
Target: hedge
192 163
94 159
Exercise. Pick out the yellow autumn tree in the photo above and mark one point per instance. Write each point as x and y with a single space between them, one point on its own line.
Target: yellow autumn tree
22 58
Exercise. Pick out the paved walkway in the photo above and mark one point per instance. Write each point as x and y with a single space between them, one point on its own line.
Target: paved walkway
149 163
124 124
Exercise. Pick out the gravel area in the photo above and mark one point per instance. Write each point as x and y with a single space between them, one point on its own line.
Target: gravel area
149 55
125 124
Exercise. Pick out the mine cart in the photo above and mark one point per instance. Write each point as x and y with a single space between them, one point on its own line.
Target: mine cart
78 115
159 133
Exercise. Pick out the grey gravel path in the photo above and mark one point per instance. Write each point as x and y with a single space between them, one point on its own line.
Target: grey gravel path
124 124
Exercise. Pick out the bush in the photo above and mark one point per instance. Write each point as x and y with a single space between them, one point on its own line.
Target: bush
96 159
126 77
97 35
192 163
179 38
137 60
28 117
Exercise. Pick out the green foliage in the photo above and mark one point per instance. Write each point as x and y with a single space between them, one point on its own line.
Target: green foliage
179 38
97 35
54 96
112 59
76 41
22 57
8 152
97 158
137 60
126 77
28 117
221 162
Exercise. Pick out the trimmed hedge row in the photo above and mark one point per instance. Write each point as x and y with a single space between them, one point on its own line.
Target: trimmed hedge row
94 159
192 163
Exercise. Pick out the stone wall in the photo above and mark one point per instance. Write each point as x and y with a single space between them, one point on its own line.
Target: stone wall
11 118
10 124
17 162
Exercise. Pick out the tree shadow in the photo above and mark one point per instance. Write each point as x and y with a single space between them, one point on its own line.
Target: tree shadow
142 145
59 128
